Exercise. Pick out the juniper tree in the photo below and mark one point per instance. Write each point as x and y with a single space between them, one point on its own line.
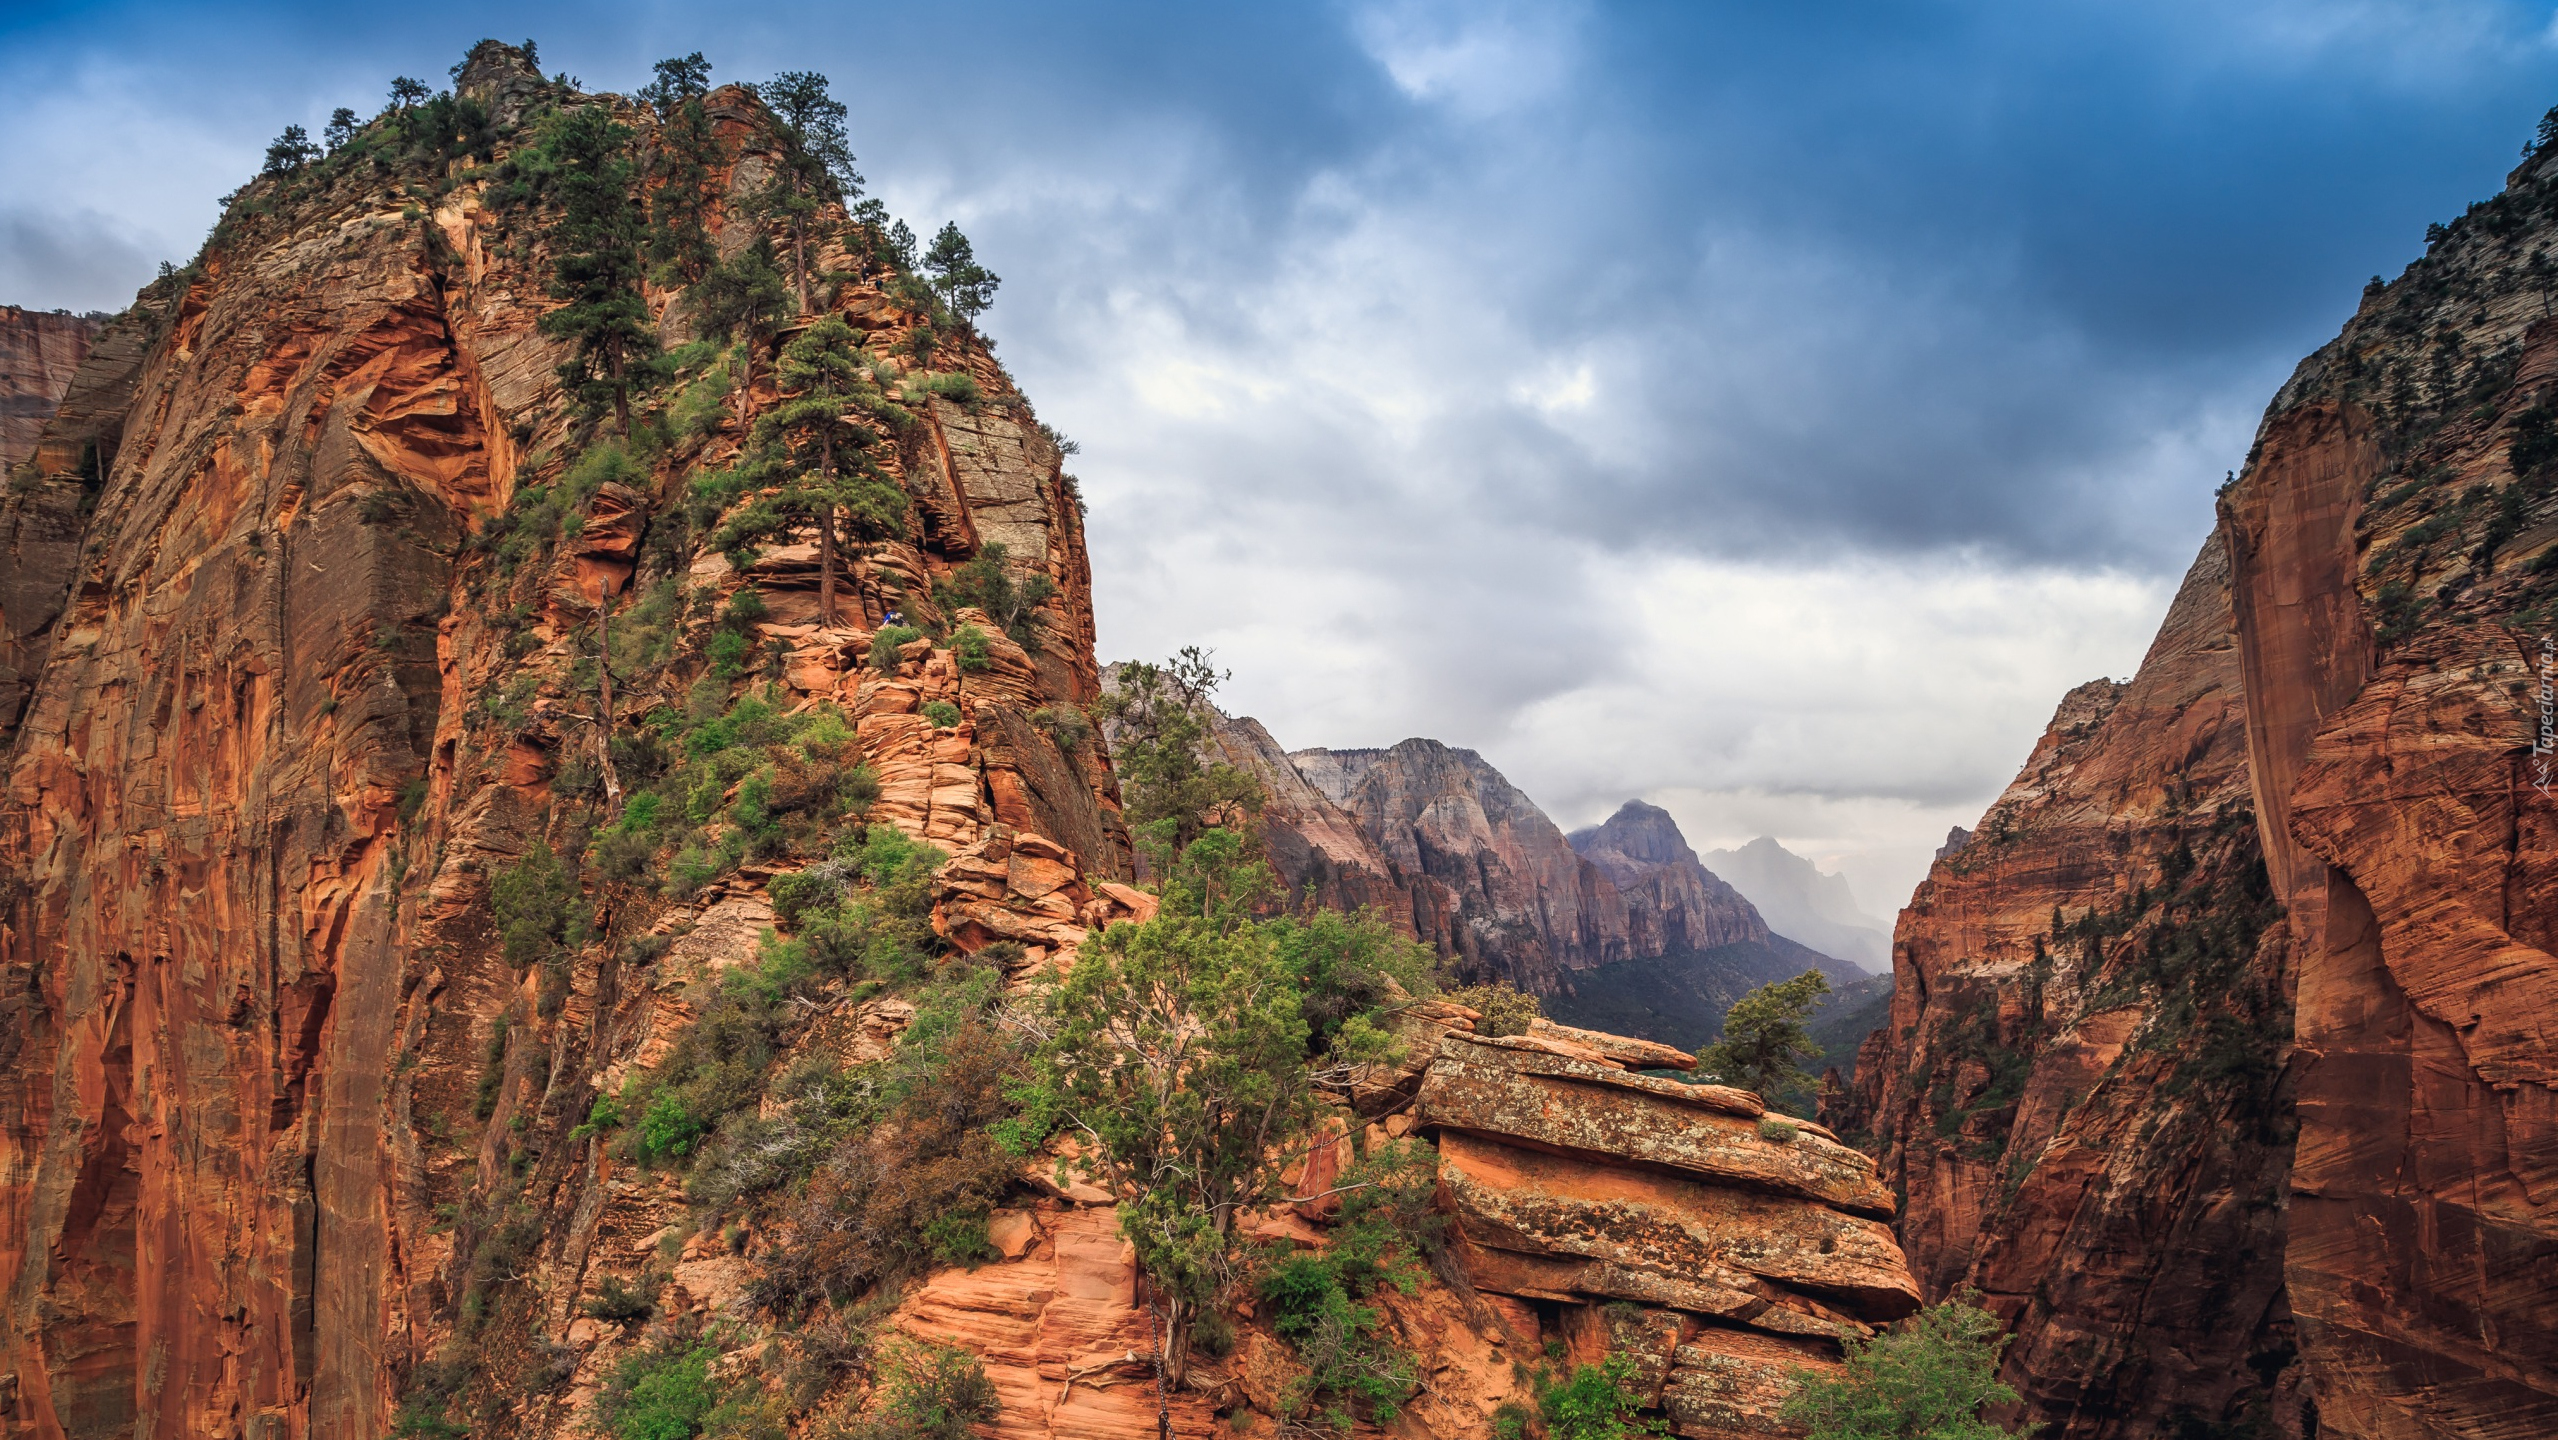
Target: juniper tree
1158 718
816 162
809 449
1764 1038
1190 1055
965 286
598 239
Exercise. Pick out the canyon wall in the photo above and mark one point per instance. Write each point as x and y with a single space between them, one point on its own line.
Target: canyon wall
2221 1057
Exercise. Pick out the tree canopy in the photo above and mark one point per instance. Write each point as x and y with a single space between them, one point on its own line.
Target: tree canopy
598 240
1185 1056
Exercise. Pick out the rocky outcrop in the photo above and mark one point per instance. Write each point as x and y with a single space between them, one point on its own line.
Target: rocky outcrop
1595 1212
308 648
39 352
2220 1056
1744 1247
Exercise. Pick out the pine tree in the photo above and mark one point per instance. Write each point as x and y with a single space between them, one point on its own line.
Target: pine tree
816 164
291 151
406 92
809 449
964 286
598 239
679 240
342 128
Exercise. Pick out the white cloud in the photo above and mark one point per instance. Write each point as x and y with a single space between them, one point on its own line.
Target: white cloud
1477 60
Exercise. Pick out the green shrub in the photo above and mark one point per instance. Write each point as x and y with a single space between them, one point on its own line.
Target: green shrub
1506 1009
801 890
536 901
929 1392
1598 1402
662 1392
986 584
605 1114
1776 1131
623 1303
1928 1379
942 714
884 645
970 646
728 651
957 386
492 1071
669 1130
1065 725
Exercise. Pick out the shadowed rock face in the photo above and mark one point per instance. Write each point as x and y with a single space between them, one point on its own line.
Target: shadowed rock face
1672 902
2221 1054
2027 1070
39 352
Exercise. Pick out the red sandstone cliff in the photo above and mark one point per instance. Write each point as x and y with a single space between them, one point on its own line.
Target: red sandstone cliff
292 1145
2222 1054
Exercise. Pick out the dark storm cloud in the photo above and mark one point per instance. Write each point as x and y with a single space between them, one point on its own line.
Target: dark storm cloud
1661 398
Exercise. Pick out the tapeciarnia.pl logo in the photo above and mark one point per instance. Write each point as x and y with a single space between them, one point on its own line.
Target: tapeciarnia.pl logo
2546 742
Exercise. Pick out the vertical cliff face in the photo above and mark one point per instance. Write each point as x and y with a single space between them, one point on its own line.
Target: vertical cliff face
2225 1041
2396 591
292 705
39 352
2079 1090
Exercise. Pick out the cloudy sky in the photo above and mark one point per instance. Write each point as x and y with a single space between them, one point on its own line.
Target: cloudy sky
1767 409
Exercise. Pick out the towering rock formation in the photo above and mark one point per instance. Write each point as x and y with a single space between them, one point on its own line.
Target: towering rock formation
1521 904
299 705
1672 902
2222 1056
39 351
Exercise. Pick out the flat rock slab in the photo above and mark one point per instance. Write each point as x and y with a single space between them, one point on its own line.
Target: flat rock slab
1735 1254
1549 1101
